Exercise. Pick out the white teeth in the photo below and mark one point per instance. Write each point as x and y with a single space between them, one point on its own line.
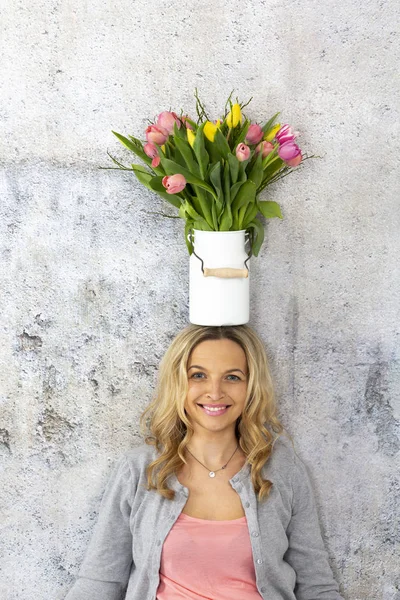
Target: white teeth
213 409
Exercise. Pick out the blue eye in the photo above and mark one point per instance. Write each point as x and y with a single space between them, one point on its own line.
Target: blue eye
197 375
235 378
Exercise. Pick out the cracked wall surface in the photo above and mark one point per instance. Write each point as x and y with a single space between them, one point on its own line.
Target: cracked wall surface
94 283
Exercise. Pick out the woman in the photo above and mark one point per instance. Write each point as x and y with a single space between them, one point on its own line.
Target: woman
216 505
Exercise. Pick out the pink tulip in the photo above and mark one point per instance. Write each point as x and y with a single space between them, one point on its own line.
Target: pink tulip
290 153
265 147
174 183
152 152
166 120
150 149
186 122
242 152
286 134
254 134
156 135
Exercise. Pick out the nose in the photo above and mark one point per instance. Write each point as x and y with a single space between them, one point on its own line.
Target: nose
215 391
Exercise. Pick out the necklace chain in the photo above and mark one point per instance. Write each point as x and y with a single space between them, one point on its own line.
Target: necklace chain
212 473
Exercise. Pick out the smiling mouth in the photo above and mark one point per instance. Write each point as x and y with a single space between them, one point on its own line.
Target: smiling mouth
213 410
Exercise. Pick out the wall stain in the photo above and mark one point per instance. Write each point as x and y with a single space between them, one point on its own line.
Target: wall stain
292 331
29 342
52 381
5 439
379 410
143 369
53 426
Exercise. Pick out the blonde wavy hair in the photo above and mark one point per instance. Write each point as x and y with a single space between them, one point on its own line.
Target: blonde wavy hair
165 425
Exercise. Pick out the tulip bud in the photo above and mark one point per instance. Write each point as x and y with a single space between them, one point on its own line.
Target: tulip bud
271 133
210 129
264 147
156 161
190 136
234 116
286 134
150 149
242 152
290 153
254 134
156 135
167 120
174 183
185 121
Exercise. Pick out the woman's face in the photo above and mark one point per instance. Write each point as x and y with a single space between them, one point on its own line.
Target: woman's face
217 378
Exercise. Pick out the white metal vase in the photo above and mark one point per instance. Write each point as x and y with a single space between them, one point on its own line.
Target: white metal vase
219 278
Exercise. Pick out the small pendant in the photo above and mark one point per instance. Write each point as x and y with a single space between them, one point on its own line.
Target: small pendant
211 474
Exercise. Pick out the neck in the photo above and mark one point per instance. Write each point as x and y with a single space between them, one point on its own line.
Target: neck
211 449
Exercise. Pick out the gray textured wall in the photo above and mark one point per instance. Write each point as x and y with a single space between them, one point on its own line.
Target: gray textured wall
94 286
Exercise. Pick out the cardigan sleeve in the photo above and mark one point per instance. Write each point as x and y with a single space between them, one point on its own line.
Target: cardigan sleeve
107 564
306 552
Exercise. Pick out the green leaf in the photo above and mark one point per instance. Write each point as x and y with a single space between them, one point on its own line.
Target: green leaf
187 154
269 125
242 133
204 202
187 211
177 157
272 156
188 228
200 151
215 178
167 151
258 229
212 151
180 131
245 195
227 183
143 175
249 215
234 190
221 145
193 214
233 167
134 145
226 218
269 209
273 168
172 168
214 216
242 176
257 172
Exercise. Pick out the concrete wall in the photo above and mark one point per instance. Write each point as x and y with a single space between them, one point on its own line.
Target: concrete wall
94 286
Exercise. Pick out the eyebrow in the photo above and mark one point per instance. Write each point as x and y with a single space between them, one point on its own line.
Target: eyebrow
228 371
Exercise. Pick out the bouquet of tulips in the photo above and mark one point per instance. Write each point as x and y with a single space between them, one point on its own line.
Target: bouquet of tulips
213 172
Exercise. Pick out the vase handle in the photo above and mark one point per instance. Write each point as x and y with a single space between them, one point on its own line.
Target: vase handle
225 272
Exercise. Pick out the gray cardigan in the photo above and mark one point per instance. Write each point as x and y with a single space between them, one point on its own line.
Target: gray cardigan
123 557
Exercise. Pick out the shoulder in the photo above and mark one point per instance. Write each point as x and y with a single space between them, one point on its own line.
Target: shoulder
139 457
288 470
283 460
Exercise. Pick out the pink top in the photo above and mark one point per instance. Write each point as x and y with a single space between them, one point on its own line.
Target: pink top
207 560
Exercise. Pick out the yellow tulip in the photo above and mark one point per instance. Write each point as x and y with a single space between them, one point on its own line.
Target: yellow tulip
234 116
190 136
210 129
163 148
271 134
